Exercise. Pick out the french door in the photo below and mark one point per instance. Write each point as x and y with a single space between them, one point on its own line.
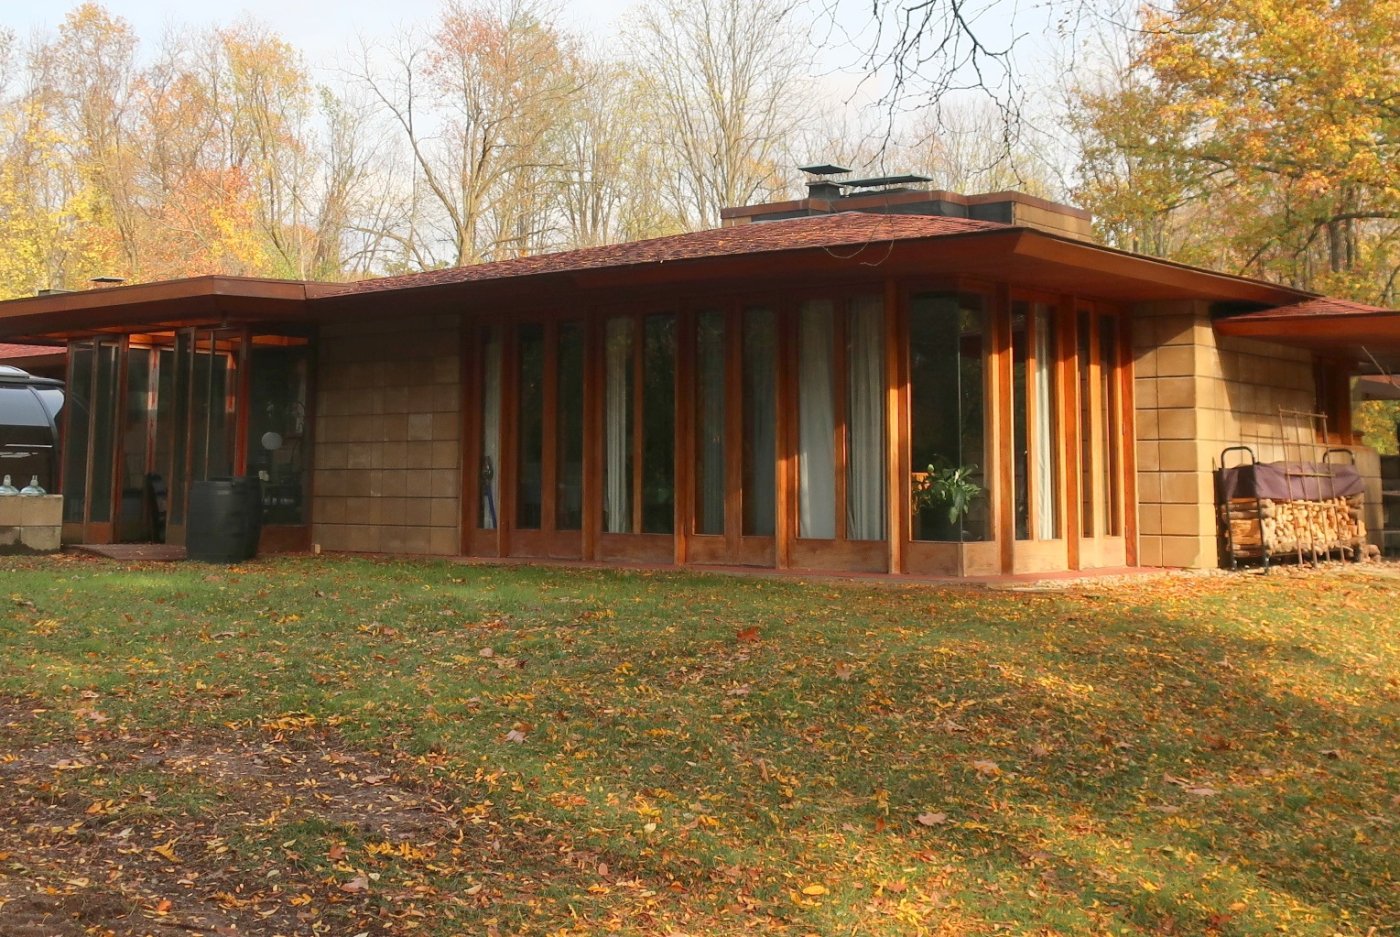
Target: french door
541 490
838 353
735 422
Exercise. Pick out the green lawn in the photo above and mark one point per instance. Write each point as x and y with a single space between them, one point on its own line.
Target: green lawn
339 746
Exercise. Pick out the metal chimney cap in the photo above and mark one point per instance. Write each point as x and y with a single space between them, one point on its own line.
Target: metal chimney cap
825 169
107 280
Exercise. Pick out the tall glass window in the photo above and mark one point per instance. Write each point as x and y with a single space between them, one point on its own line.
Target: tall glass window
105 396
760 406
489 471
568 431
1034 398
75 442
1112 425
659 424
529 491
709 423
1084 324
617 425
277 430
947 354
865 419
816 420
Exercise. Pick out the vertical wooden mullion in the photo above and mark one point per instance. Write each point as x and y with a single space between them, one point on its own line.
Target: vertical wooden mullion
840 382
549 449
639 337
897 426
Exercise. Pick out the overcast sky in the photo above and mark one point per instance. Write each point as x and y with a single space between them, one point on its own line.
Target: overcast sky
324 29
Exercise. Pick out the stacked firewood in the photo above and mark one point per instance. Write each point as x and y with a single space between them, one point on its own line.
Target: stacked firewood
1288 526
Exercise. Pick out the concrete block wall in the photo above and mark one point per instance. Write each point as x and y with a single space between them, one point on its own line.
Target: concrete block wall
1196 394
388 436
30 524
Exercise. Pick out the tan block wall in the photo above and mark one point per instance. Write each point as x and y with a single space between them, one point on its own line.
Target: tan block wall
388 431
1196 394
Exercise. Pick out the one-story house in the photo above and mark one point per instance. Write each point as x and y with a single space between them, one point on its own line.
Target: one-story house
778 392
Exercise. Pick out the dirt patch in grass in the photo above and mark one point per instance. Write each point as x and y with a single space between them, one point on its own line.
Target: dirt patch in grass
221 834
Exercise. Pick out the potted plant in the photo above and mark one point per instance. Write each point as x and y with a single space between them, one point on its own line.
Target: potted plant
949 491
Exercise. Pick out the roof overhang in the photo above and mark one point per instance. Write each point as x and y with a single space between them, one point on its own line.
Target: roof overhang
854 252
208 300
1370 340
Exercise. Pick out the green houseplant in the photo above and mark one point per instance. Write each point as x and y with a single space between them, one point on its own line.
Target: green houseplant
946 488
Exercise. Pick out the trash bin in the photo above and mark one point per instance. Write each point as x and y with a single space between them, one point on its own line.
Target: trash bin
224 521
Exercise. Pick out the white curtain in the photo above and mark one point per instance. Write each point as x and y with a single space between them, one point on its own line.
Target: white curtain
816 456
865 421
491 430
1047 526
617 493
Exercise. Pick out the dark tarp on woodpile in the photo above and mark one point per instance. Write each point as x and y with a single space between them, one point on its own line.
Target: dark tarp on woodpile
1292 481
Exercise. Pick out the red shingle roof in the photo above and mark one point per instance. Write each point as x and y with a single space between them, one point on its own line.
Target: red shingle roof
845 230
1322 306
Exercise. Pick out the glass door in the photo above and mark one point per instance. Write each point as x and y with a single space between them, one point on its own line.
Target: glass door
638 504
733 515
546 500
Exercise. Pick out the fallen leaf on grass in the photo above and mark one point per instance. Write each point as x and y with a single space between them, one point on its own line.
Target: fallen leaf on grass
335 853
748 635
813 890
516 736
986 768
360 883
932 819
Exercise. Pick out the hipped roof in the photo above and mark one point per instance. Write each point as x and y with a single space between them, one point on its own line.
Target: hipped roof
773 255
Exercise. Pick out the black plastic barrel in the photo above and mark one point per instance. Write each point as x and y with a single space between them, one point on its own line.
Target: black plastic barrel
224 521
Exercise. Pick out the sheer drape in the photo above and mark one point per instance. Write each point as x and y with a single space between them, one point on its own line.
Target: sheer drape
1047 525
490 430
816 457
617 500
865 420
